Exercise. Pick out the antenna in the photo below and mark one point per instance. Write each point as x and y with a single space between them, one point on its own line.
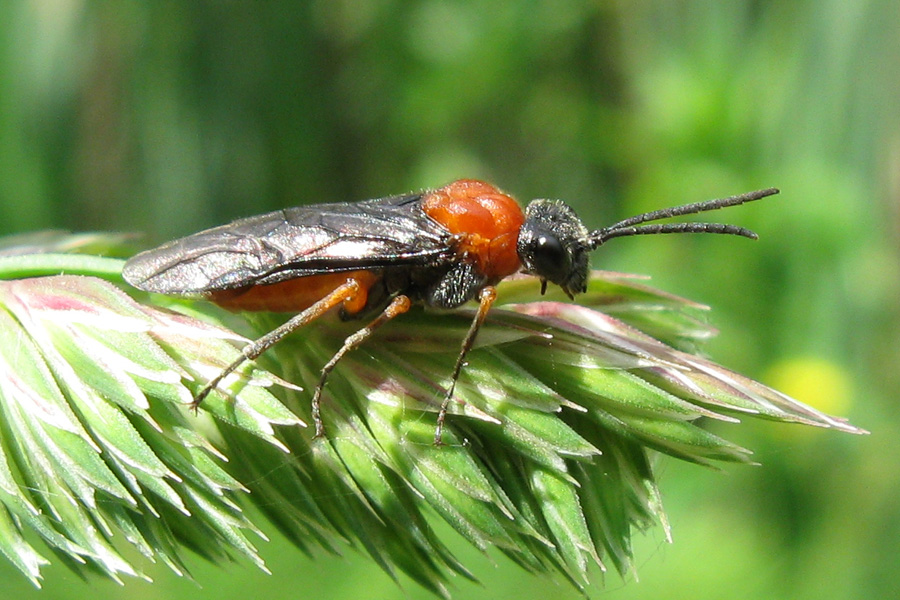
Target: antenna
632 226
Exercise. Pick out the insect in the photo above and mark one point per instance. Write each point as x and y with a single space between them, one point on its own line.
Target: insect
376 258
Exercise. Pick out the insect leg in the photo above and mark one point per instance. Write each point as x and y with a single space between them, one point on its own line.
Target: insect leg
398 306
486 298
346 291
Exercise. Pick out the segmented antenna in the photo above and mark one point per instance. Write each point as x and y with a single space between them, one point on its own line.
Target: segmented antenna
632 226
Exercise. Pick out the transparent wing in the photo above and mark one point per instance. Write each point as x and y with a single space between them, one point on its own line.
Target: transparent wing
294 242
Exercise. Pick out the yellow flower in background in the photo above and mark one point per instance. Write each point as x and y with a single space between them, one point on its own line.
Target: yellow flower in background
818 382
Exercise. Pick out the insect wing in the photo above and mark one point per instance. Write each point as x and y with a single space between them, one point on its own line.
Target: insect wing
292 243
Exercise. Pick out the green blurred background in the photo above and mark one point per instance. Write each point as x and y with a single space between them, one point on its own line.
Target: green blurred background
168 117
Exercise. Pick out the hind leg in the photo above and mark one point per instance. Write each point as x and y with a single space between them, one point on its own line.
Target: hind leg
344 293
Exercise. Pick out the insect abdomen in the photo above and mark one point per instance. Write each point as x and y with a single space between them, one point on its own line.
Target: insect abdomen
295 295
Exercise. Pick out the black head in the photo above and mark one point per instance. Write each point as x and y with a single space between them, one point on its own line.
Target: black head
555 245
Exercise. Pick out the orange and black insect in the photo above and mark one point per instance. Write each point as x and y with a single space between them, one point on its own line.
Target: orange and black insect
440 248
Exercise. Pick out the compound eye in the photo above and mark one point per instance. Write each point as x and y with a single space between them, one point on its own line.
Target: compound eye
550 259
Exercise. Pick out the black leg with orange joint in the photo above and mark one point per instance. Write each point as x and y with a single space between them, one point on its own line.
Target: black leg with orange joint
486 299
346 292
398 306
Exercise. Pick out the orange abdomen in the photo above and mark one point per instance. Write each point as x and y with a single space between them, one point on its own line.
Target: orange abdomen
486 221
295 295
